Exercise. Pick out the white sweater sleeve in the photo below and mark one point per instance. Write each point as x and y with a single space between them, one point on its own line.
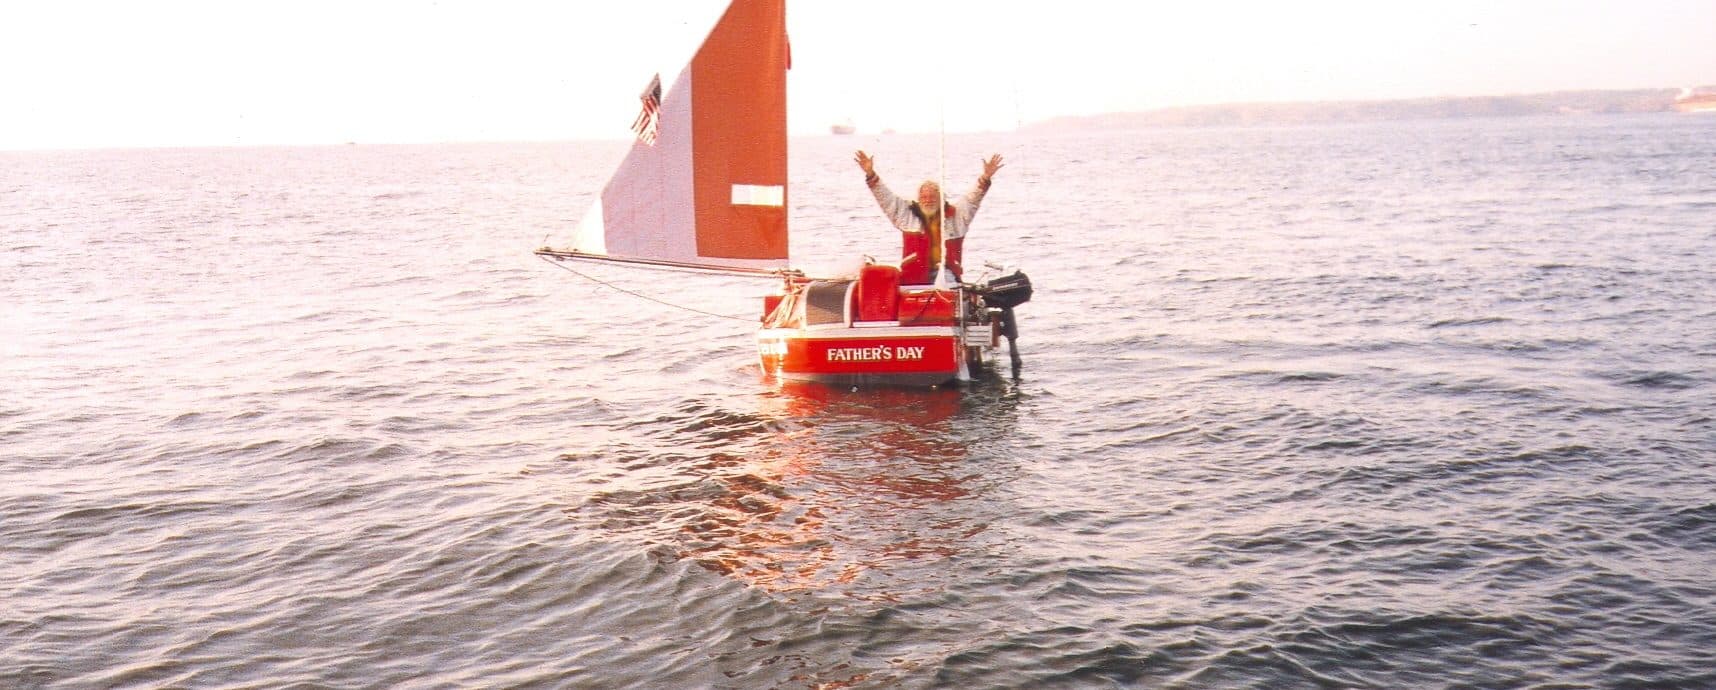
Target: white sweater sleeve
898 211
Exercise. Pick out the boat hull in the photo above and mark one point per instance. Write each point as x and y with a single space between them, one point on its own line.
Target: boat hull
870 356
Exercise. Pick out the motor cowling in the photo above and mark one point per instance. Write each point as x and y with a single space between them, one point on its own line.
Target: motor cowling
1006 292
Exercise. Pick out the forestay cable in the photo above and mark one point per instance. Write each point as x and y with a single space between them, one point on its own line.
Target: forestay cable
640 295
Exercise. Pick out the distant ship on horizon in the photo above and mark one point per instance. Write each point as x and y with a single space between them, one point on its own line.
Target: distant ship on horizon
1693 100
845 127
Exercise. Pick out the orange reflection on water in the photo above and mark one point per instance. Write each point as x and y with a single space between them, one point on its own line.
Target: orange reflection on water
856 482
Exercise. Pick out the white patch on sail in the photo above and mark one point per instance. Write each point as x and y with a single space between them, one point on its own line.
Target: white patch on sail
592 236
759 195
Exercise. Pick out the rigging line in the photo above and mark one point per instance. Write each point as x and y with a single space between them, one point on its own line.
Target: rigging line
639 295
941 157
941 184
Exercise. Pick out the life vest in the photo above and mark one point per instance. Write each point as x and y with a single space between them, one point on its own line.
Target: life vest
918 249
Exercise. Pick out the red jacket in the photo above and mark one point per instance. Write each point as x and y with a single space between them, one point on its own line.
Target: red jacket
915 265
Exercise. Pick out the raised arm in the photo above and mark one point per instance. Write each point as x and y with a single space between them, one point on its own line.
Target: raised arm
898 211
974 198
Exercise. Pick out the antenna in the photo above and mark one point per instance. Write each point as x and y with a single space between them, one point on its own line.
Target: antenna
941 192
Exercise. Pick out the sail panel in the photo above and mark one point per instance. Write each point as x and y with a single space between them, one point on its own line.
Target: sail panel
592 232
647 205
710 190
739 137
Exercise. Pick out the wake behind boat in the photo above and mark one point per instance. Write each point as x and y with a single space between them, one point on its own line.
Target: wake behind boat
704 187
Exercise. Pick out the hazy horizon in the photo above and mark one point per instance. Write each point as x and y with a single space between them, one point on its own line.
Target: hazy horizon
192 73
821 128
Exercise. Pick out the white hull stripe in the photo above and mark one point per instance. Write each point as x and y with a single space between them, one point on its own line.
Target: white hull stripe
843 333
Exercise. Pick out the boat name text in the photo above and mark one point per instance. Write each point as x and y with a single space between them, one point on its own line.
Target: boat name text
879 353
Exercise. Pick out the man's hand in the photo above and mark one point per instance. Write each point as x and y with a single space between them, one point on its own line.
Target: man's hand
990 167
866 163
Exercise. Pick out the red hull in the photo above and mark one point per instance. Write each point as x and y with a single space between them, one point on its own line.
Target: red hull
886 355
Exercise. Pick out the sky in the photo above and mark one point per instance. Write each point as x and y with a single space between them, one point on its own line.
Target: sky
83 74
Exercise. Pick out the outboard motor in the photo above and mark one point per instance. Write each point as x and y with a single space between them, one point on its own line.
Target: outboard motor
1007 291
1004 293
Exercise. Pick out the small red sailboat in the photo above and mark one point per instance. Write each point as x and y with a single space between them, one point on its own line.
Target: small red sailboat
705 187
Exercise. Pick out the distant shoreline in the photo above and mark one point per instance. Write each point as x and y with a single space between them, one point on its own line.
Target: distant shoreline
1557 103
1610 102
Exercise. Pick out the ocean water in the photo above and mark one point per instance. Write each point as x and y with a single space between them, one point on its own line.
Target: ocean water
1426 404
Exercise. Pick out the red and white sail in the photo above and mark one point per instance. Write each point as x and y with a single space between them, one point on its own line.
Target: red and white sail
710 190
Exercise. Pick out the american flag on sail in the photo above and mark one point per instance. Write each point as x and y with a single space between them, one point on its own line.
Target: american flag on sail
650 118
